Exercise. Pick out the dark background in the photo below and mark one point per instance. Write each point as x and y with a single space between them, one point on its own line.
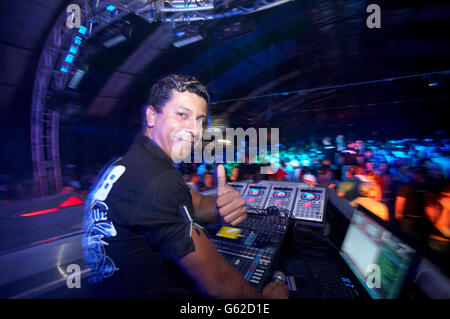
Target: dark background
297 46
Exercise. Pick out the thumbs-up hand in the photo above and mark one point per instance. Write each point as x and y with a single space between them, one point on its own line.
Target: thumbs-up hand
230 204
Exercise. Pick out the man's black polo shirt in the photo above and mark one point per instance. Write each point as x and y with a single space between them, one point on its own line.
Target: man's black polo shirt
136 221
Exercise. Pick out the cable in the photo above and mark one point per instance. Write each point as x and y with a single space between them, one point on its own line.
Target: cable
284 215
390 103
286 218
330 87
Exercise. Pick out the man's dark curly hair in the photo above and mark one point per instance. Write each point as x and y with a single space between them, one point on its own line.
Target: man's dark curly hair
161 91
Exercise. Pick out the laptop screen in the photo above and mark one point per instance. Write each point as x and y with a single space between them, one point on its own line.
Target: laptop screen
378 258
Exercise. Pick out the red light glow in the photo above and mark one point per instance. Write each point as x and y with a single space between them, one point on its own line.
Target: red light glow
71 201
40 212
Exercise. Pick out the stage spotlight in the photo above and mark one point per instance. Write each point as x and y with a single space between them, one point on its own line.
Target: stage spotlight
69 58
76 79
73 49
435 80
114 41
187 41
82 30
187 34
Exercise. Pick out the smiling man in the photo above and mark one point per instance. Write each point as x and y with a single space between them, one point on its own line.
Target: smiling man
144 237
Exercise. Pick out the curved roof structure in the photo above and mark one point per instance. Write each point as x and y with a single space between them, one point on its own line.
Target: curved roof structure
306 66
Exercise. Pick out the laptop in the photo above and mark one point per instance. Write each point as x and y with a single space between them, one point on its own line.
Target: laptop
379 259
372 263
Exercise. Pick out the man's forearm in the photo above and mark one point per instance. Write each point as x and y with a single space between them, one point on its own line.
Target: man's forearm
235 287
229 283
212 273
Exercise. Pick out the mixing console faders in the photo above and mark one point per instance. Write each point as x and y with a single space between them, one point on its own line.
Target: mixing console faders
252 263
252 246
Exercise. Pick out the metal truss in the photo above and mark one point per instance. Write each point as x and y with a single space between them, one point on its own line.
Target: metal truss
59 60
45 120
176 10
201 10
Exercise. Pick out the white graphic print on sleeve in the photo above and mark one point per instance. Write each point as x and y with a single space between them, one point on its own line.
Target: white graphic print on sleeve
98 227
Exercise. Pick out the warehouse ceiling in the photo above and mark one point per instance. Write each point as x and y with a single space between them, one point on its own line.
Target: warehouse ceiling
299 65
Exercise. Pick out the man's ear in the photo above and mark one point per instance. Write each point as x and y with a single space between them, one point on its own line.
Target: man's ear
150 115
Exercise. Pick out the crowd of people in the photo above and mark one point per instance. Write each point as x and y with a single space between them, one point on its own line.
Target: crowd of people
402 181
383 167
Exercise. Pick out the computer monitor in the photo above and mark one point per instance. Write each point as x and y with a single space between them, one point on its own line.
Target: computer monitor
379 259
